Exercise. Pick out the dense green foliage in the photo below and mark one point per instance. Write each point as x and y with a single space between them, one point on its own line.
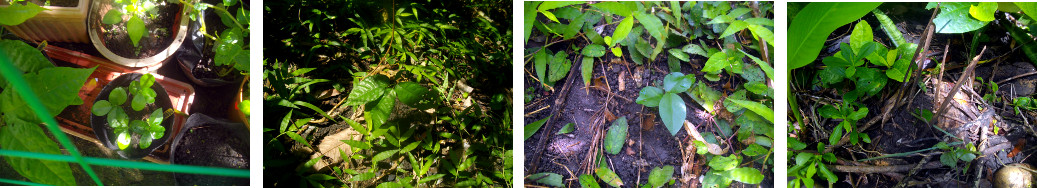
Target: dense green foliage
149 128
444 59
721 33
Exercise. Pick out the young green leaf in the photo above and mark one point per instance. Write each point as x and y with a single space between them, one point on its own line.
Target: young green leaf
532 128
135 29
568 128
547 178
649 96
101 108
593 50
659 176
746 175
673 112
716 62
112 17
677 82
756 107
860 35
680 54
983 11
118 96
560 66
588 181
815 22
609 177
17 13
586 70
954 17
616 135
368 90
622 30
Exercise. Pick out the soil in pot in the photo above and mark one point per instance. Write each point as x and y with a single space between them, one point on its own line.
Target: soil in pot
197 56
210 142
159 36
105 132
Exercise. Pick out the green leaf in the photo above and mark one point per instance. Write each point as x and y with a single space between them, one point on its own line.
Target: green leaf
723 163
118 96
542 58
560 66
746 175
555 4
101 108
870 81
616 135
659 176
677 82
861 34
588 181
716 62
547 178
230 47
673 112
17 13
383 155
609 177
983 11
649 96
827 174
568 128
112 17
26 58
411 93
532 128
815 22
594 50
135 29
298 138
357 144
145 141
756 107
549 15
25 136
954 18
652 24
695 49
617 51
735 26
368 90
762 33
139 102
622 30
680 54
529 16
586 69
705 96
430 178
57 86
617 8
362 176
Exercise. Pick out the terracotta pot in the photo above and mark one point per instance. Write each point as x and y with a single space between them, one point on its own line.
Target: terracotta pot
95 30
56 24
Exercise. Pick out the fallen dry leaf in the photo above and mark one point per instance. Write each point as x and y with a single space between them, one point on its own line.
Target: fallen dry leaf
648 122
622 82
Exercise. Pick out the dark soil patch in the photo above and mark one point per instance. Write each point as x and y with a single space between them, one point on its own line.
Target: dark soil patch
207 142
648 145
158 38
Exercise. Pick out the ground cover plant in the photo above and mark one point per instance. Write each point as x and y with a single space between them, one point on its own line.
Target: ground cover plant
909 94
387 94
600 76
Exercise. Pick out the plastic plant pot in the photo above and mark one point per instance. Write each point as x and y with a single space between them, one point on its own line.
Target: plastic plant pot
56 24
161 51
209 142
196 56
104 131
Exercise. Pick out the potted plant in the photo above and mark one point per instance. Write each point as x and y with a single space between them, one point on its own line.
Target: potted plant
57 21
130 116
205 141
216 51
137 33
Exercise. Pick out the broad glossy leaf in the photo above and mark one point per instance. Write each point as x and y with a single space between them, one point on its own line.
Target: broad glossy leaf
58 87
756 107
815 22
25 136
411 93
593 50
532 128
723 163
622 30
101 108
617 8
123 139
649 96
983 11
609 177
735 26
679 54
677 82
230 47
870 81
368 90
117 96
954 18
135 29
529 16
861 34
616 135
547 178
555 4
652 24
145 141
746 175
112 17
762 33
17 13
24 57
673 112
718 61
659 176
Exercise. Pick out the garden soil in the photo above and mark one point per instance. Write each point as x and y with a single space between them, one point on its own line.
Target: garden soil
648 145
159 36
